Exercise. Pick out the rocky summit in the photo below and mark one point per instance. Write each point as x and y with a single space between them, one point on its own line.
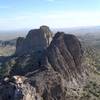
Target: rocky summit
44 67
36 40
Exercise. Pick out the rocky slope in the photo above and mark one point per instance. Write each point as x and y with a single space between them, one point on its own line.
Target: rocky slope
52 67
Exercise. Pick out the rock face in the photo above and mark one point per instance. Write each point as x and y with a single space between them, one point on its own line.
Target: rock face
17 88
65 56
36 40
51 68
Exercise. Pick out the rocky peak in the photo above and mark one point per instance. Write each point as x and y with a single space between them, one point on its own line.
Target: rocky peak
19 44
65 55
36 40
48 34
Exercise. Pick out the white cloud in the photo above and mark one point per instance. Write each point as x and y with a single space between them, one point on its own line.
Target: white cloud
56 19
71 19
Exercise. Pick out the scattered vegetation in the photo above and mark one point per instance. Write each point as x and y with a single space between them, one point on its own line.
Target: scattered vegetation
91 91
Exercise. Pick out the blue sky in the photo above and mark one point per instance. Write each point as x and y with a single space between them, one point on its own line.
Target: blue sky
18 14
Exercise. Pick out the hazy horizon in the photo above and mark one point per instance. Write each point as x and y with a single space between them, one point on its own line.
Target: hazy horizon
12 34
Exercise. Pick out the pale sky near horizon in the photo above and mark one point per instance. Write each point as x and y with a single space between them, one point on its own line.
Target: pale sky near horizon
19 14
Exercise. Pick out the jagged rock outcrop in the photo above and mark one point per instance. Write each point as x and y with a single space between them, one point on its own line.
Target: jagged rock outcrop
19 45
65 55
17 88
51 67
36 40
